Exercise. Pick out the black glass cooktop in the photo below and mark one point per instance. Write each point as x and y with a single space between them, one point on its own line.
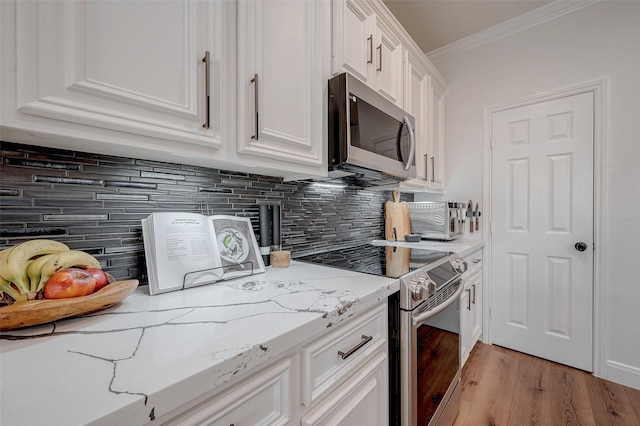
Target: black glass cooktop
386 261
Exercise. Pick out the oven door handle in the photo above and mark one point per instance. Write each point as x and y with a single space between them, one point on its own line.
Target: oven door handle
441 307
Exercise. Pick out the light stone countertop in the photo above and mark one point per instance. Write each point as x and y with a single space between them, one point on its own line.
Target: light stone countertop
151 354
462 246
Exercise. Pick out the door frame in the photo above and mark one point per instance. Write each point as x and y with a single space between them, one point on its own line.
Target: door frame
599 89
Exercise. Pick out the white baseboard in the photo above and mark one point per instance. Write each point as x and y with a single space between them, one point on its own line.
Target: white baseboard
623 374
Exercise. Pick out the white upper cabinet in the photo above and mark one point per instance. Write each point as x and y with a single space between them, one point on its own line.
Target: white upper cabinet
128 66
367 47
416 103
435 174
369 43
282 75
388 66
353 43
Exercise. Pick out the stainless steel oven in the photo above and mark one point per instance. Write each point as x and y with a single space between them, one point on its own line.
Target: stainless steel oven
427 336
430 360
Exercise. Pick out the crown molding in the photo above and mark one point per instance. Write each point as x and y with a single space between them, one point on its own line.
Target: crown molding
512 26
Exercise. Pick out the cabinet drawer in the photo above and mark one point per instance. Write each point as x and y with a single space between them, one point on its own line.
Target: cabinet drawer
474 262
265 399
329 360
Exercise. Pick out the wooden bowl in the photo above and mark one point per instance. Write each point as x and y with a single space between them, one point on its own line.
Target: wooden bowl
34 312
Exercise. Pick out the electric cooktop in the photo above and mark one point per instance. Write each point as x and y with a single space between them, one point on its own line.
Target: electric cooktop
386 261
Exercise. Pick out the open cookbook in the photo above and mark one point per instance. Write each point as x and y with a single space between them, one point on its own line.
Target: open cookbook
188 249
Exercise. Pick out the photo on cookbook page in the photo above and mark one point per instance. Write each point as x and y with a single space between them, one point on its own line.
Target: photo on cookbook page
237 245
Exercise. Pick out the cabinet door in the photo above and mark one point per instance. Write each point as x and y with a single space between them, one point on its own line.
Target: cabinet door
388 64
281 80
362 400
128 66
354 50
366 47
416 97
476 311
465 313
436 159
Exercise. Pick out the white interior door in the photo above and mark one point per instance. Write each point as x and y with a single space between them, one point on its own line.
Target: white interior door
542 206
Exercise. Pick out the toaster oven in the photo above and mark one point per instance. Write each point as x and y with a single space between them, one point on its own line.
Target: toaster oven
436 220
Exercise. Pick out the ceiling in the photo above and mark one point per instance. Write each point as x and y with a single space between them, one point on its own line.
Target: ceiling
436 23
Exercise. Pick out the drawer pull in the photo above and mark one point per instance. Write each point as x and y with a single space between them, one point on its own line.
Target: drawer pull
347 354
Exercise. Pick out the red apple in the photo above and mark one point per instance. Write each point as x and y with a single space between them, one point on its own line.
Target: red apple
100 277
70 282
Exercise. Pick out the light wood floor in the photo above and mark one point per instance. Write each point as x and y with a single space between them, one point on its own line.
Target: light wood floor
501 387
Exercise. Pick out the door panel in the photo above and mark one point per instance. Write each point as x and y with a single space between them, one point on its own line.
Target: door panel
542 204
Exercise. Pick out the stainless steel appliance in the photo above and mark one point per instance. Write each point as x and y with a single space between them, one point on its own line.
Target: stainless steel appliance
424 327
369 136
429 340
437 220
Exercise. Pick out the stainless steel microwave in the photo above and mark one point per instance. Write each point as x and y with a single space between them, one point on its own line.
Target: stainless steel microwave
369 136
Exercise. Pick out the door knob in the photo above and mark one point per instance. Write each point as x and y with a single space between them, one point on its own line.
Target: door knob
581 246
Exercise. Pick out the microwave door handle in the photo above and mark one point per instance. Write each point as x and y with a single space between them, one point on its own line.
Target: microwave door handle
412 140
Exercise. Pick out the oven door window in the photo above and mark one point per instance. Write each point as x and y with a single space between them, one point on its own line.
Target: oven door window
438 360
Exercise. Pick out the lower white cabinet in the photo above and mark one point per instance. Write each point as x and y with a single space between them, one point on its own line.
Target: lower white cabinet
267 398
471 307
345 373
362 400
339 378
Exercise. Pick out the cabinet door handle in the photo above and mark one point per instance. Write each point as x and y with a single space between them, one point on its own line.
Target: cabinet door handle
469 300
474 294
379 48
426 166
255 80
207 87
370 40
347 354
433 169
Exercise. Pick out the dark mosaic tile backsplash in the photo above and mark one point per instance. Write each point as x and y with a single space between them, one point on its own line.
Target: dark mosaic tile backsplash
95 202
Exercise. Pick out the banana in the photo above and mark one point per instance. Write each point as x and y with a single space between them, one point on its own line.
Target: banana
64 260
4 255
5 287
35 270
21 253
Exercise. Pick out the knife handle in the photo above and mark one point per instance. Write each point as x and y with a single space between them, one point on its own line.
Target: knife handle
471 224
477 220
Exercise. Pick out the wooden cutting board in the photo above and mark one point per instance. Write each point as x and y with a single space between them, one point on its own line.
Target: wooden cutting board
34 312
397 259
397 222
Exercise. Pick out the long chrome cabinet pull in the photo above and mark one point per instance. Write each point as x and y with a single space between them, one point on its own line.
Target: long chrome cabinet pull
347 354
426 166
370 40
379 48
255 80
474 294
469 301
207 87
433 169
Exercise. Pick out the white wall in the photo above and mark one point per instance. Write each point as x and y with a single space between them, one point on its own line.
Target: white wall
594 42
